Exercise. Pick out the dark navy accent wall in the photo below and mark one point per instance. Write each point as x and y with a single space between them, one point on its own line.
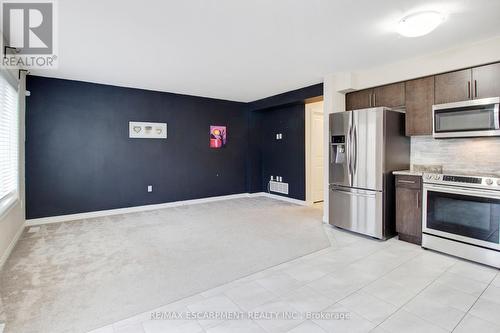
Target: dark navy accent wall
79 157
283 113
285 157
297 96
254 165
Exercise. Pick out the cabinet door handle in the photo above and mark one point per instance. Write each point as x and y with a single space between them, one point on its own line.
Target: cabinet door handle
475 88
468 90
418 199
374 99
370 99
406 181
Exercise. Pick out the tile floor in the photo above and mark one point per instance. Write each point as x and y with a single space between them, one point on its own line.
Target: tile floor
371 286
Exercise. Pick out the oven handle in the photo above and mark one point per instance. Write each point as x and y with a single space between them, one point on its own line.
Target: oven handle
469 191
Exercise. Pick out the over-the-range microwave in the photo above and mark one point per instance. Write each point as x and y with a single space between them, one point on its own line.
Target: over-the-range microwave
473 118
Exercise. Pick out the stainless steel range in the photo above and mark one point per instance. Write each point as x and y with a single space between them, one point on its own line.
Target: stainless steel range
461 216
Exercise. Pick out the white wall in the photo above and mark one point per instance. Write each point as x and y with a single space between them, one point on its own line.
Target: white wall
336 84
12 222
311 108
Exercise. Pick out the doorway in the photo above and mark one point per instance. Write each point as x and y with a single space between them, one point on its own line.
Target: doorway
314 153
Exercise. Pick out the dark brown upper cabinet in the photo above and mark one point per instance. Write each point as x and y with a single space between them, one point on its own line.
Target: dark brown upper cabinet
486 81
453 87
419 96
391 95
360 99
478 82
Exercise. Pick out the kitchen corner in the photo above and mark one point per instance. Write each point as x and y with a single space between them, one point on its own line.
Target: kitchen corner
451 204
446 196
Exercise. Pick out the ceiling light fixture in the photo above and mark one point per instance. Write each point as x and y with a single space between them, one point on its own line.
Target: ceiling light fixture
419 24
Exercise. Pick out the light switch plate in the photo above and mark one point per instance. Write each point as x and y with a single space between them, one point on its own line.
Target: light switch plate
143 130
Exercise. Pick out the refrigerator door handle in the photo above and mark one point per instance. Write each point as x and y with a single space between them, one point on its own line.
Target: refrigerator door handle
355 141
349 153
354 193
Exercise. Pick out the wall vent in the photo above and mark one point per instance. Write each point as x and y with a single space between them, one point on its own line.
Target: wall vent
278 187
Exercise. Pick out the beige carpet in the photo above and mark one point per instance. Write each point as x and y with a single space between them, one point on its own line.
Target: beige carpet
76 276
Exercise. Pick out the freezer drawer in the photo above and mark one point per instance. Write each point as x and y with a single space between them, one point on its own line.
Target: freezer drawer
357 210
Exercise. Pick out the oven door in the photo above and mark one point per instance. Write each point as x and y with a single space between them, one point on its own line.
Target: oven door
467 119
467 215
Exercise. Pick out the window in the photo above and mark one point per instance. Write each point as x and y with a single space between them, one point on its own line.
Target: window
9 142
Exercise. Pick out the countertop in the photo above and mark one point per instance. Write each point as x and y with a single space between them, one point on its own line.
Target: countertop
419 169
408 173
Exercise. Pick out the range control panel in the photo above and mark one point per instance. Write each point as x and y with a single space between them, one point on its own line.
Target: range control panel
466 181
462 179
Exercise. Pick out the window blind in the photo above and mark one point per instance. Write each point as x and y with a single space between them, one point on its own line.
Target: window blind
9 139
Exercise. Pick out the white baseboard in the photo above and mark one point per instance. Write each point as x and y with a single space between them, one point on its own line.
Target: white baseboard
280 197
101 213
11 246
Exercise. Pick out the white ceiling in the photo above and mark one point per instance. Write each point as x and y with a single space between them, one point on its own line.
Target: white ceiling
246 50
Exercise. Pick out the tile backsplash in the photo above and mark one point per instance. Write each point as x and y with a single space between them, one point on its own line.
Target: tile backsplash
468 155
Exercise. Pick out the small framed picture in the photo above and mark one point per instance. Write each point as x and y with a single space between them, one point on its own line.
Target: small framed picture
218 136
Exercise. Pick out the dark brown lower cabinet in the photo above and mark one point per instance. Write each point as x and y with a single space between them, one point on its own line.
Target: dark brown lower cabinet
409 208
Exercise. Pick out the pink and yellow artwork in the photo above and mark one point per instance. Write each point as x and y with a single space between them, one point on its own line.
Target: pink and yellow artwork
218 136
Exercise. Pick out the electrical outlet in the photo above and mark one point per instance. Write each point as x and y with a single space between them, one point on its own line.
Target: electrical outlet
150 188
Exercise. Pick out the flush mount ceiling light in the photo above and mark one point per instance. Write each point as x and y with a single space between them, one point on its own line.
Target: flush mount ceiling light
419 24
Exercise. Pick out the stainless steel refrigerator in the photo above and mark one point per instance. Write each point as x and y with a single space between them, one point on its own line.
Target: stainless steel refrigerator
365 147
